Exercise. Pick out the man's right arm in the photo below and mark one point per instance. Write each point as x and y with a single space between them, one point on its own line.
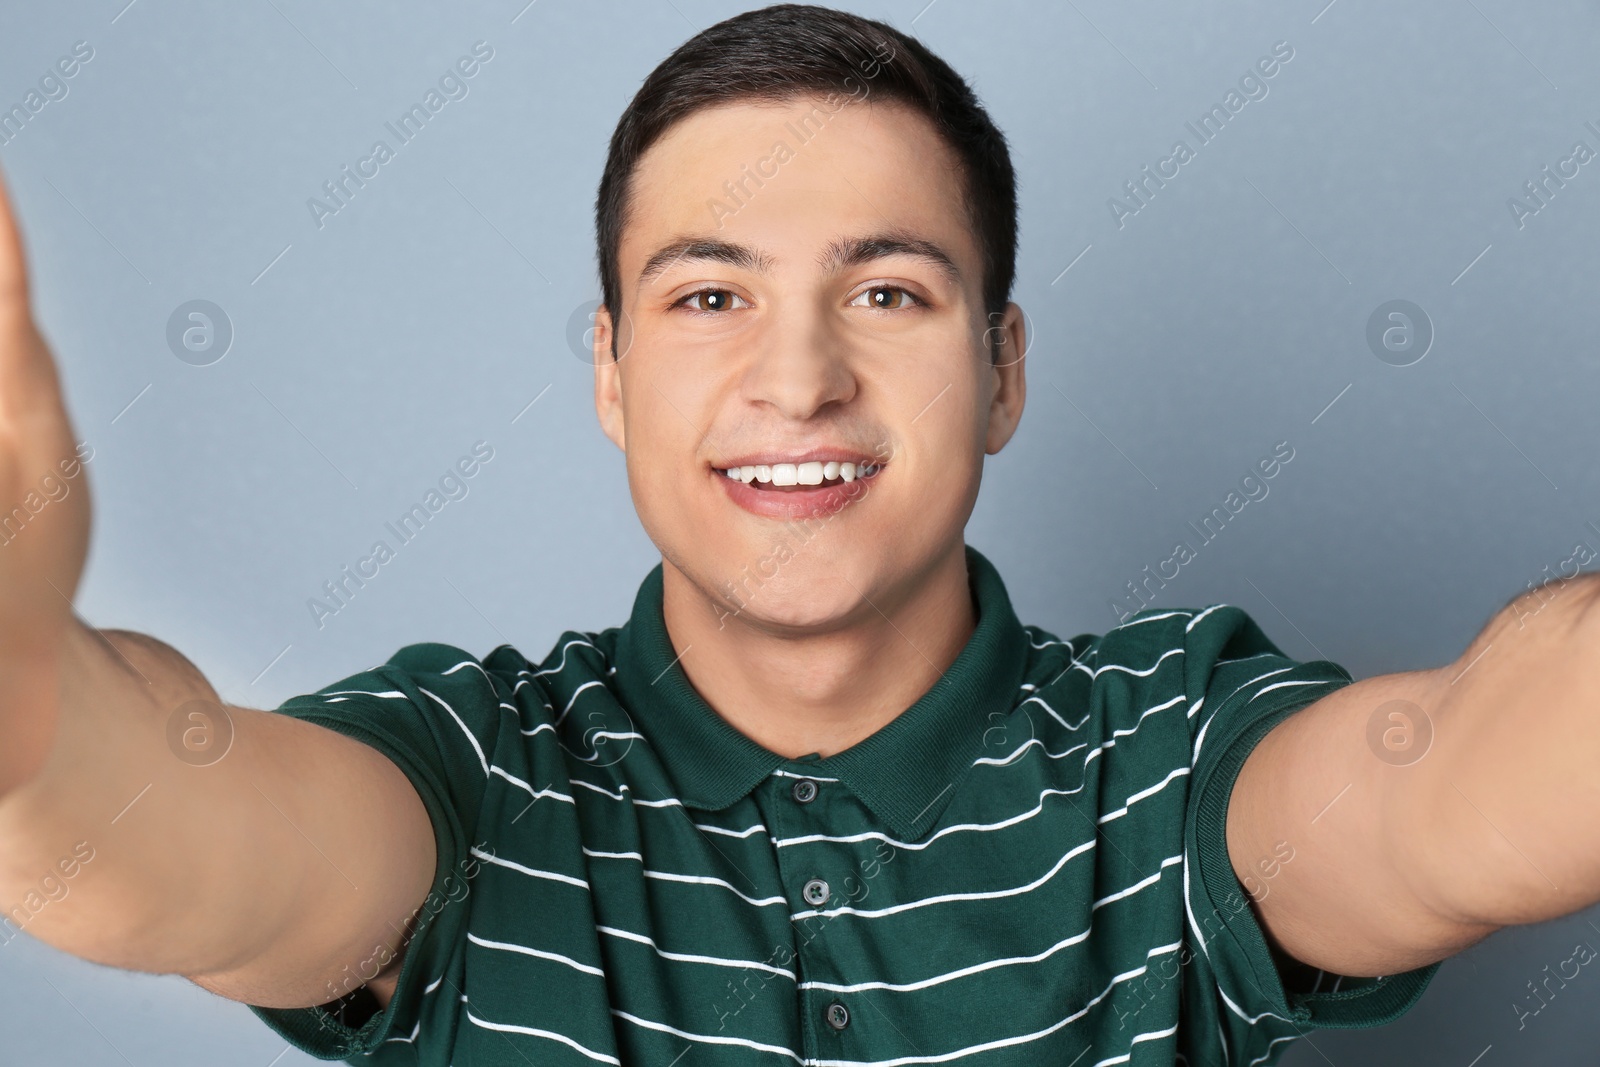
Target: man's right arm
267 876
270 875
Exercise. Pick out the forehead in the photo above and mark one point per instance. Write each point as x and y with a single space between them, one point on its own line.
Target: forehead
796 174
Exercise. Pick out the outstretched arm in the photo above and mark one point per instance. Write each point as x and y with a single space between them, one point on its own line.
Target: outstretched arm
1427 809
263 874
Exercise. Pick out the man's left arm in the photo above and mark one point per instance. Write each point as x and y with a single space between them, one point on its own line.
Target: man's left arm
1424 810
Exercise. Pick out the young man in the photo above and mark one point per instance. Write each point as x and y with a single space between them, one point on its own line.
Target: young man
822 799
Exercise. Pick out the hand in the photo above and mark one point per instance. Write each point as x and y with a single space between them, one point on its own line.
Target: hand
44 521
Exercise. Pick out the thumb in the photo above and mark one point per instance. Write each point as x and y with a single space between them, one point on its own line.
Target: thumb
13 264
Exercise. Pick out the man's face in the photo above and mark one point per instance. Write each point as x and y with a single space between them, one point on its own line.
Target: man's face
813 298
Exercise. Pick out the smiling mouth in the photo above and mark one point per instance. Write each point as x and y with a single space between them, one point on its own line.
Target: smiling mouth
793 477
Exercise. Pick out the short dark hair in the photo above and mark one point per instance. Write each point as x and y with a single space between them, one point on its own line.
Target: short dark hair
790 50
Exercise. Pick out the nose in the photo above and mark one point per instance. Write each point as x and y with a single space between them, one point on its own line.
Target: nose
799 365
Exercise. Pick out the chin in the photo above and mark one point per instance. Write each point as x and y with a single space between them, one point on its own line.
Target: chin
779 606
812 587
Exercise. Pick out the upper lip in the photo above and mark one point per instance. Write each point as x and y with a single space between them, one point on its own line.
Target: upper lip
822 455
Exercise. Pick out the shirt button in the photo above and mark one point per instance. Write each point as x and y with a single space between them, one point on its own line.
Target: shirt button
805 791
836 1015
815 892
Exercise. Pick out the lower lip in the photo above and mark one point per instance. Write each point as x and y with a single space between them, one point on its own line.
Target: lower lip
818 502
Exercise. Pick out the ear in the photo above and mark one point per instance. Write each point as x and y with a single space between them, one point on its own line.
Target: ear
1008 346
607 380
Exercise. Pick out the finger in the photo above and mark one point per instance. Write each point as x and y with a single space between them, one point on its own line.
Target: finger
29 380
13 266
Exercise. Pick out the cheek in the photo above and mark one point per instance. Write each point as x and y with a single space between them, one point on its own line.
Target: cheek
940 459
655 453
668 410
946 435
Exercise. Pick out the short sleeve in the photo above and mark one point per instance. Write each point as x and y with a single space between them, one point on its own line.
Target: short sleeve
435 711
1241 686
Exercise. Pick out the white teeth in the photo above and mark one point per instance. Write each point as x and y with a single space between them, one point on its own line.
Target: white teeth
813 472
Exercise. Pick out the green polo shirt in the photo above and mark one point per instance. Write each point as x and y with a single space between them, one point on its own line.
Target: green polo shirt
1028 866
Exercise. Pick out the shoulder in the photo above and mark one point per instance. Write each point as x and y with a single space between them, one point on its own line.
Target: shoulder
1185 663
575 656
1142 645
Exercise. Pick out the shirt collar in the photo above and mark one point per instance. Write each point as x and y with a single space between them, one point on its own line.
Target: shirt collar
904 773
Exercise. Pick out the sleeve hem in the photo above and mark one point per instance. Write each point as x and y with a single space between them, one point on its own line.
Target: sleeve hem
313 1030
1377 1004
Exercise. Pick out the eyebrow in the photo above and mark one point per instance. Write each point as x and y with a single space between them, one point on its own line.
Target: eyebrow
840 253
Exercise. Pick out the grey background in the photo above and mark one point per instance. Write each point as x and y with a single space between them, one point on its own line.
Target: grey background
1226 316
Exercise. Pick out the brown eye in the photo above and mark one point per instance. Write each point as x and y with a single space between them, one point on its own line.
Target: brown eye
709 301
885 297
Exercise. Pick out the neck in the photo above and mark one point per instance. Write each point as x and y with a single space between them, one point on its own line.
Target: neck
799 693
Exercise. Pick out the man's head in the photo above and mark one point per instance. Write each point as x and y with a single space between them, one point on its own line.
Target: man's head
807 239
785 50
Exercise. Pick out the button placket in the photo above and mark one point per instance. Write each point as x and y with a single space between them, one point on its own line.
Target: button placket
825 1021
